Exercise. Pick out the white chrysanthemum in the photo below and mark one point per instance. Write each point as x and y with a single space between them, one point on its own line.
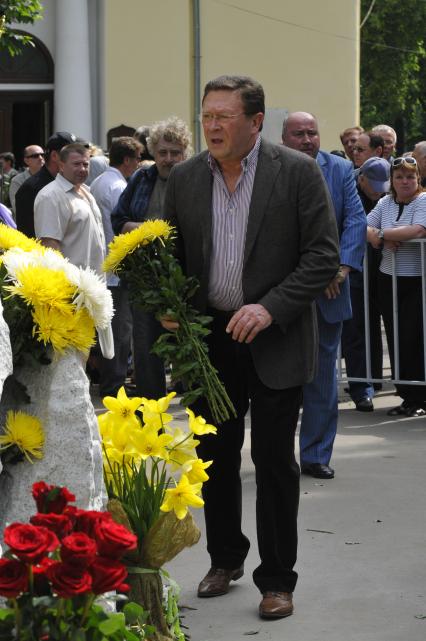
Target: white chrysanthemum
53 259
94 295
16 258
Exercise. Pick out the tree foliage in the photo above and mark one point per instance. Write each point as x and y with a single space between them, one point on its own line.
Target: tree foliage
17 11
393 66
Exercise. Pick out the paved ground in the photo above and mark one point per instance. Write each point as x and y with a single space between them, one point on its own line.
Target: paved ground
362 571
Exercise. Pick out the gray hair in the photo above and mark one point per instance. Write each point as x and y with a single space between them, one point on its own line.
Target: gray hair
172 129
384 128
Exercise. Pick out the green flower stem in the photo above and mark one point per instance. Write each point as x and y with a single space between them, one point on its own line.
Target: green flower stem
89 602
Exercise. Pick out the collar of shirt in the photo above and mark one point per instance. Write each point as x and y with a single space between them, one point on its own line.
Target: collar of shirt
246 162
66 185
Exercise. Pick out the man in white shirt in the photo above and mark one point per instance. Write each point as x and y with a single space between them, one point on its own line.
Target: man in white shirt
124 155
66 216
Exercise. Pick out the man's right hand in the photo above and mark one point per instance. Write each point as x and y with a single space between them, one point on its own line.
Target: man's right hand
168 323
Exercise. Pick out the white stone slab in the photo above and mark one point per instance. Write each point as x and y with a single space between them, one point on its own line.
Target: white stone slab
72 454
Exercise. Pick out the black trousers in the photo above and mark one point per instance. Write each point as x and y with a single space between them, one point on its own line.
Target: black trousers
410 326
274 415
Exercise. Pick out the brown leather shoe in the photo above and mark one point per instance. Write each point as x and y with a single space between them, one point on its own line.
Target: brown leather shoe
276 605
217 580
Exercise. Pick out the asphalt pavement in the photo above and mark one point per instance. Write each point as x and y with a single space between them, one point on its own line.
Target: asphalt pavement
362 549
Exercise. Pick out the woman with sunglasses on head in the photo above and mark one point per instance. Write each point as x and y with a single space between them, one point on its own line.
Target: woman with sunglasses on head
398 217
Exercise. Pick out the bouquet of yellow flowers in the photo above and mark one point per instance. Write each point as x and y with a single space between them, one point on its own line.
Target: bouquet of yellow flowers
145 258
47 301
152 475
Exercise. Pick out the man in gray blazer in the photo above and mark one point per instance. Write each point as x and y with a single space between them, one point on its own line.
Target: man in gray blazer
256 226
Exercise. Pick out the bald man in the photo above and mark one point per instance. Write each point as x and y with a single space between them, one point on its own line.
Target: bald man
320 410
34 161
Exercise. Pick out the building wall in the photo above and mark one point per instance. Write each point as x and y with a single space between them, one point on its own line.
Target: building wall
147 61
305 54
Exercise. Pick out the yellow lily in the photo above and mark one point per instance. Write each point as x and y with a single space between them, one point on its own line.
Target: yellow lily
154 412
198 425
181 496
123 408
195 470
148 442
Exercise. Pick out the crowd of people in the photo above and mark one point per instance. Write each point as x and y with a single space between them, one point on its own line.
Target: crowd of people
276 235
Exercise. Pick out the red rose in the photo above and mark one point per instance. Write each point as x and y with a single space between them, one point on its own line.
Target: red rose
78 549
41 582
13 578
68 581
113 539
60 524
86 520
107 575
30 543
51 498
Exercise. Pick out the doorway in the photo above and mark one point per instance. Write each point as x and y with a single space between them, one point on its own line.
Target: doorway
26 112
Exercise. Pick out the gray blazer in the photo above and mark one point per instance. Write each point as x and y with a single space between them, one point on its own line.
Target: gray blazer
291 252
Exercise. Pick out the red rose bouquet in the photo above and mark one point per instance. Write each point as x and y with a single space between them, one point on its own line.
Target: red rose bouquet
56 566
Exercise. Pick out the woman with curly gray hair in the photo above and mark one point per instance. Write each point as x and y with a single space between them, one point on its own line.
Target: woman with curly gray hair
169 142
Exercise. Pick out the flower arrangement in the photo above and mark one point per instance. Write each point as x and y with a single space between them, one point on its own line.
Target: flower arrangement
56 567
145 258
153 476
48 302
23 437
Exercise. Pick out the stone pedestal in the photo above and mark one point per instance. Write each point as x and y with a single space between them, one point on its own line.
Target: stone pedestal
6 366
72 453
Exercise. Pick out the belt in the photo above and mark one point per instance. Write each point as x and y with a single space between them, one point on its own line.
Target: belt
220 313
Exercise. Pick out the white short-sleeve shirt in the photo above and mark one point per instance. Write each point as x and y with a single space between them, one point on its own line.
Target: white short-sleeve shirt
388 214
73 219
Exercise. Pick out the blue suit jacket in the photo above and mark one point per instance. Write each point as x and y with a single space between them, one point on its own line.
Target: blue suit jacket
352 226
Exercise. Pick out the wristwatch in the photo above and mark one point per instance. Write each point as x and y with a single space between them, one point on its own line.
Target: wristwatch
381 237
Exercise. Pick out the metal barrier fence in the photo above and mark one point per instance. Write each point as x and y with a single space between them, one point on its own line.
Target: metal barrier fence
368 378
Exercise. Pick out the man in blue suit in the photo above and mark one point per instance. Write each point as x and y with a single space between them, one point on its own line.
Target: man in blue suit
319 420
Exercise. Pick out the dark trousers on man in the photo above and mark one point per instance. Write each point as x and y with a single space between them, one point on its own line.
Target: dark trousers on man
113 372
274 415
149 372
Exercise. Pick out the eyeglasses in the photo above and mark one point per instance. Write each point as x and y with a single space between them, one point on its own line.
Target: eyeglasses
39 155
404 160
222 119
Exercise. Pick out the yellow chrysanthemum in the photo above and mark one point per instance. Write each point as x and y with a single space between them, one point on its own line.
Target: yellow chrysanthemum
24 431
64 331
198 425
124 244
10 237
148 442
195 470
154 412
123 409
179 497
38 285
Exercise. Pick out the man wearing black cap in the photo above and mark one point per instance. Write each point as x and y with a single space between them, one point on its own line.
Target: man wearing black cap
26 194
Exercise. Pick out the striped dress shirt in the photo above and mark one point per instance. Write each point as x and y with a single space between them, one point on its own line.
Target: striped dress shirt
229 225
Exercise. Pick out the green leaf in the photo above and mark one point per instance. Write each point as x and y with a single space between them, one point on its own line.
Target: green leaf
114 623
133 613
6 613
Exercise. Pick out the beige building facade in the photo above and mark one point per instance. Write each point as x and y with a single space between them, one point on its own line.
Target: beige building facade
138 61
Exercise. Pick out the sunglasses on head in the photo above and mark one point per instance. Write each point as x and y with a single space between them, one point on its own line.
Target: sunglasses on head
39 155
409 161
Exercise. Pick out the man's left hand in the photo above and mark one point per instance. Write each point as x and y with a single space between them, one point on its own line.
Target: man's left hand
247 322
333 288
